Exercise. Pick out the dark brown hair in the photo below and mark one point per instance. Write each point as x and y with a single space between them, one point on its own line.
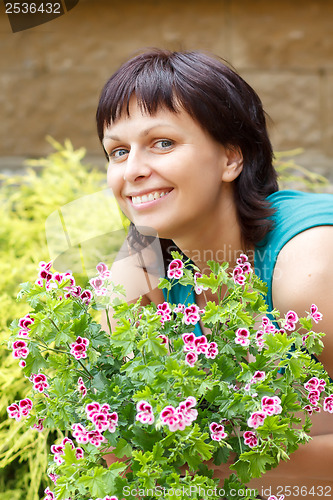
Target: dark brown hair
220 101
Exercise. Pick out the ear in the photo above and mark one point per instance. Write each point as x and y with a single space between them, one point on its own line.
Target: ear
233 163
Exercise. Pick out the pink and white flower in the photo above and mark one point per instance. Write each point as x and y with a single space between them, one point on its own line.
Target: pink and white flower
310 409
95 438
290 321
258 377
188 339
250 439
170 417
98 286
201 344
39 426
49 494
191 358
328 404
79 348
212 350
217 431
273 497
164 311
186 411
315 384
22 409
175 269
80 433
271 405
260 339
198 288
242 336
24 324
40 382
238 275
20 349
314 396
256 419
315 314
58 450
180 417
164 339
180 308
145 413
191 314
81 387
86 297
103 271
101 416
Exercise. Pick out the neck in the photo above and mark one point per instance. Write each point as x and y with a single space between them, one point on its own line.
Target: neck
219 240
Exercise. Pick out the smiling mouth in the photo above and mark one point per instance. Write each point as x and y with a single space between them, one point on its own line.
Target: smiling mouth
145 198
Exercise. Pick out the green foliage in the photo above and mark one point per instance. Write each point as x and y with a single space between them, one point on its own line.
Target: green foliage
295 176
26 201
144 369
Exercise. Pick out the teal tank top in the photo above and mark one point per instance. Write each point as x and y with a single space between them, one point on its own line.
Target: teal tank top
296 211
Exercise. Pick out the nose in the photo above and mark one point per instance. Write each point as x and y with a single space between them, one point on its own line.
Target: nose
136 166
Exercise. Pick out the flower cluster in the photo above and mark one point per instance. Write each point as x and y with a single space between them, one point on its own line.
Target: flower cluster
98 283
102 419
217 431
180 417
58 450
315 387
79 348
266 327
270 405
20 410
145 413
142 370
241 270
53 280
198 345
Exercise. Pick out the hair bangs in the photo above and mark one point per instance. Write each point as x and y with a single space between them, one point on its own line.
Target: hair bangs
153 85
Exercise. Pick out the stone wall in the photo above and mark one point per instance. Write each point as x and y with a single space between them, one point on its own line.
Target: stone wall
51 75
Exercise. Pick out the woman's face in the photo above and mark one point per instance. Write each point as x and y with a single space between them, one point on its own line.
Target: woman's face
166 172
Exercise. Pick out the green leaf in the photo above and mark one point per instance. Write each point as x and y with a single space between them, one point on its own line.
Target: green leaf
122 448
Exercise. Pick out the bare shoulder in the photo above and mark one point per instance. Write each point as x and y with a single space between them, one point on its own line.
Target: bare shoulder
139 275
303 275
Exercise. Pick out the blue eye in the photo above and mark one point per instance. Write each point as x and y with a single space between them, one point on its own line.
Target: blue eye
164 143
117 153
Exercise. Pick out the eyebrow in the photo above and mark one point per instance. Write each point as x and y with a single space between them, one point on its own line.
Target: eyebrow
142 134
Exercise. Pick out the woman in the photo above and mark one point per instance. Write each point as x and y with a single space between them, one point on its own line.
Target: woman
191 161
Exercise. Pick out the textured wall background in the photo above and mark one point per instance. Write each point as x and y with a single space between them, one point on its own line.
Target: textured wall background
51 75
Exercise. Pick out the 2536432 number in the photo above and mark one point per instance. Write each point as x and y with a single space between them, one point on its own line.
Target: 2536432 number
303 491
33 8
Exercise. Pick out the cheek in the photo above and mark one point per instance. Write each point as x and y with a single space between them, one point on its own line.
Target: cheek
113 180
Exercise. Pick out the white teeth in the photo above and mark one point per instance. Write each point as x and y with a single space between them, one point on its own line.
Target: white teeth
137 200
